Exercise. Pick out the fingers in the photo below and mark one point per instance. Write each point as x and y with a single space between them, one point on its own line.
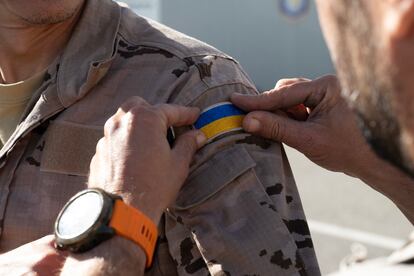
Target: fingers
276 127
131 103
186 146
177 116
284 97
114 121
264 101
298 112
284 82
49 239
172 115
309 93
137 109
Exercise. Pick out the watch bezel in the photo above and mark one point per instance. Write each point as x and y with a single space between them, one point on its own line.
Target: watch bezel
94 235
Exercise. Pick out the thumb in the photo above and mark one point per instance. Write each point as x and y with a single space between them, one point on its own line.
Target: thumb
186 146
277 128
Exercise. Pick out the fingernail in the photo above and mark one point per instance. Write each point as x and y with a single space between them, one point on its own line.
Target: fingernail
201 139
251 124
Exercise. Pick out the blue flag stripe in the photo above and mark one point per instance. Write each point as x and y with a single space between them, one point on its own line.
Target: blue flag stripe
217 113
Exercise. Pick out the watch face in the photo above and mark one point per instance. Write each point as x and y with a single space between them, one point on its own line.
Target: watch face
80 215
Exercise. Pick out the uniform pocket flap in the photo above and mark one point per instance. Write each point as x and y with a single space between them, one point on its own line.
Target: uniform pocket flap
214 175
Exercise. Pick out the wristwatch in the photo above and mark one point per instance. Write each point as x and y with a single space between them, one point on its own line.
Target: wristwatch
93 216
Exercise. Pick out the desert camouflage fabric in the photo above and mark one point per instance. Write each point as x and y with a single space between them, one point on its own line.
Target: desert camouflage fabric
239 212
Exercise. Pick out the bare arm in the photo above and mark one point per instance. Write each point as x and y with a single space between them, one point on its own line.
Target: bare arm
116 256
391 182
329 136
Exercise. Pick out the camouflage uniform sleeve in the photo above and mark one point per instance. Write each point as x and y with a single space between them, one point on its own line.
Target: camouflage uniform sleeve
239 212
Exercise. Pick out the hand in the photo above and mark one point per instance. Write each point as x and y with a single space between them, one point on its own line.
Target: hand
329 136
135 160
35 258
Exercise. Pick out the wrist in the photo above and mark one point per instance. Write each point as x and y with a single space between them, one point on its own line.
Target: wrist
145 203
115 255
381 175
364 164
107 215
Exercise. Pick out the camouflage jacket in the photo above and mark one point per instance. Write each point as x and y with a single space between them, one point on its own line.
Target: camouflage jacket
239 212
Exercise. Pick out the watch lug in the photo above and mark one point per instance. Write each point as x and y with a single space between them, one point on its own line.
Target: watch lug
106 232
114 196
99 232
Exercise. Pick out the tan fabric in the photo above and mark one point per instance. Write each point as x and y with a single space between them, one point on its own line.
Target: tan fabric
13 101
239 213
71 158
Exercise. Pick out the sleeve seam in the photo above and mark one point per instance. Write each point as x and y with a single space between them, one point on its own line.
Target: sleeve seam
219 86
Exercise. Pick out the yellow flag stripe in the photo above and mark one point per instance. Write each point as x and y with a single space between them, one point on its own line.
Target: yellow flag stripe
222 126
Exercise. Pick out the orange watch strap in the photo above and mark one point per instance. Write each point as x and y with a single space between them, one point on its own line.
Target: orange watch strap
130 223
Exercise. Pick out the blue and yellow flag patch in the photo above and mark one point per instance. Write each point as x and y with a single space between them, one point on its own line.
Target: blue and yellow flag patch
220 119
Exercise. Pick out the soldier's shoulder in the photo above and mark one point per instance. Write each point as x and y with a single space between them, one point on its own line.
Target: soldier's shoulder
139 30
199 67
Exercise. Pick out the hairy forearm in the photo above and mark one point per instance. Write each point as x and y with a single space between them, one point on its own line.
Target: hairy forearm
391 182
116 256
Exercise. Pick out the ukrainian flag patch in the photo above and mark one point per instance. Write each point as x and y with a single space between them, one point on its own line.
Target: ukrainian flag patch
220 119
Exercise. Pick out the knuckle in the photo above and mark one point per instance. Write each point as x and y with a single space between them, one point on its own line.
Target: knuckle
290 81
165 109
138 100
133 101
294 80
94 163
276 131
303 79
140 112
143 117
99 151
161 113
111 125
281 82
100 145
332 81
270 95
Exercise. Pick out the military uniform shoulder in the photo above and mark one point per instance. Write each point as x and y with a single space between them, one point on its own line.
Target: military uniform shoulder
139 30
204 74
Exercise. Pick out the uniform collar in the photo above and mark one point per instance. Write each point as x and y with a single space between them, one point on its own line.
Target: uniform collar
90 50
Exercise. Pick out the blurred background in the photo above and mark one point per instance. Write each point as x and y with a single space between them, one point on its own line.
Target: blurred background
275 39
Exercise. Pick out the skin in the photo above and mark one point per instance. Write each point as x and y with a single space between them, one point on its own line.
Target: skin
371 44
121 160
138 165
339 147
33 33
320 96
376 75
40 258
142 168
